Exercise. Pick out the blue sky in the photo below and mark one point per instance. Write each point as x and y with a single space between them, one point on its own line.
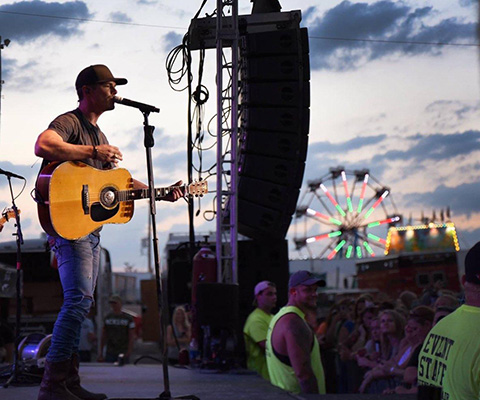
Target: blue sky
407 111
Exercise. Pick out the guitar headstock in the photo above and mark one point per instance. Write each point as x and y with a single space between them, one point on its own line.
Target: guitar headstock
197 188
6 215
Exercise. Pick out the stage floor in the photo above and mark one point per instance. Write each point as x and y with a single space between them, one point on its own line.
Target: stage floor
146 382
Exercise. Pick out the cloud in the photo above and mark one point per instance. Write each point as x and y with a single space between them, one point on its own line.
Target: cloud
435 147
169 162
28 20
324 155
118 16
383 20
468 237
467 3
172 39
462 199
449 114
387 152
352 144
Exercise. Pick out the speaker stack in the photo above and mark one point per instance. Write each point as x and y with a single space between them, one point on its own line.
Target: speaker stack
274 125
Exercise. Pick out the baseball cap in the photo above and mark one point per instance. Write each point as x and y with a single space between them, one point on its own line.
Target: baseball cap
115 298
472 265
260 286
304 278
98 73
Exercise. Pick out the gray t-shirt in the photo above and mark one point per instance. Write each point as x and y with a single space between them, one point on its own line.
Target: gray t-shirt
74 128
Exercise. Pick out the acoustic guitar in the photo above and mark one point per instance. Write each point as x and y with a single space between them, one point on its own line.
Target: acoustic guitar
74 199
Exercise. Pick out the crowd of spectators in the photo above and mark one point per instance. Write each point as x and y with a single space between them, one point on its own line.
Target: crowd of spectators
370 343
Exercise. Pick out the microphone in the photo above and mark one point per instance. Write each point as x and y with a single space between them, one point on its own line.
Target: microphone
11 174
135 104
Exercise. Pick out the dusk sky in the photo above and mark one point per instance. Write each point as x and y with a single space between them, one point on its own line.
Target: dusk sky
385 95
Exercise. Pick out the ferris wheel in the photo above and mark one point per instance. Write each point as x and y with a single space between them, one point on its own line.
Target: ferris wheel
344 214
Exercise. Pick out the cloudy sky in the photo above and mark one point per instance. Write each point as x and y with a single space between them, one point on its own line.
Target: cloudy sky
384 96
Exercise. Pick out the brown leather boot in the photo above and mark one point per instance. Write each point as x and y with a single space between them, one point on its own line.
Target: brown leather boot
53 382
73 382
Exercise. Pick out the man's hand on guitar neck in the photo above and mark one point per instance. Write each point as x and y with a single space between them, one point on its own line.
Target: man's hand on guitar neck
175 194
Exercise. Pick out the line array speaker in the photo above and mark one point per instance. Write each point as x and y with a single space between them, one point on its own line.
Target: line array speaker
274 126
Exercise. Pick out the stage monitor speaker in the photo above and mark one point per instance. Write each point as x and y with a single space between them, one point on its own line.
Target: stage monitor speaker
179 276
274 125
217 305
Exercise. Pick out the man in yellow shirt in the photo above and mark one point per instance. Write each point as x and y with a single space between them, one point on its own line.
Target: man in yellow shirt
256 326
450 355
293 353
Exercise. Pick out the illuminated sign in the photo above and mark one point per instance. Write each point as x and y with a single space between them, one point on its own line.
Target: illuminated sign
431 237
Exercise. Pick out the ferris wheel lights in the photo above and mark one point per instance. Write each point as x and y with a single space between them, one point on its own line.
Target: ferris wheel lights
359 252
362 195
369 212
385 221
346 205
376 238
336 249
312 213
332 200
349 252
369 249
334 234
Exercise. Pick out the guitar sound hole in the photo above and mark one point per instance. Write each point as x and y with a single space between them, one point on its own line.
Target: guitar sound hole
108 197
99 214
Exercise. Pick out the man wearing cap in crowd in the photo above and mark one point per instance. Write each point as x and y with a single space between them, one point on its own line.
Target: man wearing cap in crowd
450 355
75 136
256 326
118 333
293 352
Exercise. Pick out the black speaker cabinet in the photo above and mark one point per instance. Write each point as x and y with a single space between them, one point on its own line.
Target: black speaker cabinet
274 126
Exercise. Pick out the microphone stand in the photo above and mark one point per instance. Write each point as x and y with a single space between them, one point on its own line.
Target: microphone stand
16 373
160 285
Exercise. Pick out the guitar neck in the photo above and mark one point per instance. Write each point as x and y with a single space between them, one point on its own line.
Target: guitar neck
160 193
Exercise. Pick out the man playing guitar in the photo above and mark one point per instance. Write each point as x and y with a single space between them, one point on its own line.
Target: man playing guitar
75 136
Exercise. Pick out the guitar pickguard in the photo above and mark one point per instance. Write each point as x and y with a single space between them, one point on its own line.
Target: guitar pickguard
98 213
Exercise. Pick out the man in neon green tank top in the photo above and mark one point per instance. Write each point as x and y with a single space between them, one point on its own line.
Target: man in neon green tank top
256 326
293 353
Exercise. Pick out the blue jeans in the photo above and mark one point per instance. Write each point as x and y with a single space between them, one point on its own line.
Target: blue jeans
78 264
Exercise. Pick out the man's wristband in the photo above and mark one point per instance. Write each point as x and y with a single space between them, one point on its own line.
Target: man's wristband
95 152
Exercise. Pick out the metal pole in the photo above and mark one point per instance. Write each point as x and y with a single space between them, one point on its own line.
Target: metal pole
219 241
233 147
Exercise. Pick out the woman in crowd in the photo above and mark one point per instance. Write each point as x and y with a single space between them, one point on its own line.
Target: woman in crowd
354 343
409 383
179 334
388 374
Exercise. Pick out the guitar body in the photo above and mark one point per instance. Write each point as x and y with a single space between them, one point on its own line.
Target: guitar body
75 199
